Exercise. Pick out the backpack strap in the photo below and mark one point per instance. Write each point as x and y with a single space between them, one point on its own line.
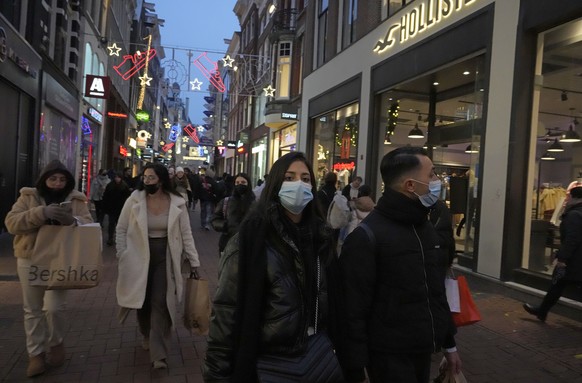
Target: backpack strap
369 232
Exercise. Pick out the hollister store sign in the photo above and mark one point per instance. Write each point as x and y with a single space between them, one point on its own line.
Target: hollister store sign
97 86
423 16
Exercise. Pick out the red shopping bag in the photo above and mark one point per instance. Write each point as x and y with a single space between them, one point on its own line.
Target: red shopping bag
469 313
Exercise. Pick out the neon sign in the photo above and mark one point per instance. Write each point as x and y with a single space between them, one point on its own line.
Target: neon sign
174 133
167 147
137 61
420 18
116 115
191 131
142 116
344 166
123 150
85 127
210 70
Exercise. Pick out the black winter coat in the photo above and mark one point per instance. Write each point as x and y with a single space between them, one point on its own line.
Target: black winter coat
275 318
234 215
114 197
394 288
570 251
325 196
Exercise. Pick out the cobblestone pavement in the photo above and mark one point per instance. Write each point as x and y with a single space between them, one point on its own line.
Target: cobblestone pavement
506 346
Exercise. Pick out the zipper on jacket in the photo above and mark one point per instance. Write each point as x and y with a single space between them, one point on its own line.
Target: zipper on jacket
427 291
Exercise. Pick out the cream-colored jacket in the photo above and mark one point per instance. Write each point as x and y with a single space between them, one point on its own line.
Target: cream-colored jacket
27 216
133 251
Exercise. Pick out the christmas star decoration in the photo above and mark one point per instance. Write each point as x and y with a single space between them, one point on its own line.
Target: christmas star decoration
200 128
196 84
170 151
227 61
162 143
148 135
114 50
185 139
145 79
184 145
168 125
219 143
269 91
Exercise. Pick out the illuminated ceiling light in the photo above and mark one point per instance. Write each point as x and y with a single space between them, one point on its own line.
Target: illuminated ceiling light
415 132
547 157
570 136
435 83
466 73
469 149
556 147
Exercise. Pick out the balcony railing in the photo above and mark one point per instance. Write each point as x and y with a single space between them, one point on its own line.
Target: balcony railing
285 21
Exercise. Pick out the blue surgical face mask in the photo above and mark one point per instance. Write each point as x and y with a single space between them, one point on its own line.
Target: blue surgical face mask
295 195
434 192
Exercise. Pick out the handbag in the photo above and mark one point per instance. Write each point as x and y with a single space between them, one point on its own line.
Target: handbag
318 365
67 257
469 313
197 305
445 376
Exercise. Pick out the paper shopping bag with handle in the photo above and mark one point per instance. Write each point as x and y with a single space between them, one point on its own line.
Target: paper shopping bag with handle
67 257
197 305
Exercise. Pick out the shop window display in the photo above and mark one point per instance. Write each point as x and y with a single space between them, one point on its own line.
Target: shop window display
335 144
556 155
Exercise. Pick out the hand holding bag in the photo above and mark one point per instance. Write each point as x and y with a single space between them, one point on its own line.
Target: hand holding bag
318 365
469 313
446 376
197 305
67 257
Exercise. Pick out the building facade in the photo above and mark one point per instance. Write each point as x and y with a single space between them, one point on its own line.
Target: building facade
486 86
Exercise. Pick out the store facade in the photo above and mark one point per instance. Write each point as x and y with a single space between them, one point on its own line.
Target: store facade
434 77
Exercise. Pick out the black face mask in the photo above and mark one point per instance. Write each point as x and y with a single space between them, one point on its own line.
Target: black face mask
241 189
151 189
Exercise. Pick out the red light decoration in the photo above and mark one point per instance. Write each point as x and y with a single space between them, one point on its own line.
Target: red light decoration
210 70
167 147
191 131
122 150
344 166
117 115
137 61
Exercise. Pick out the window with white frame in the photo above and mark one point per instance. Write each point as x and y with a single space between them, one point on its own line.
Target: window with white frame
284 70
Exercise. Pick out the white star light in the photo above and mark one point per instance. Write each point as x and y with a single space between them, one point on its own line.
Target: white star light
184 145
145 80
219 143
200 128
269 91
185 139
168 125
196 84
114 50
149 135
227 61
162 143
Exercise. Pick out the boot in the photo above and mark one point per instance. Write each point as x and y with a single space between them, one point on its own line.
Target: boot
36 365
56 356
535 311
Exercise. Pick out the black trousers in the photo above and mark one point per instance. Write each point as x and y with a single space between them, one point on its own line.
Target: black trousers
554 294
399 368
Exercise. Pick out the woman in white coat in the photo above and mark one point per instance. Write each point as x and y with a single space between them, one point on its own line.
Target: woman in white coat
153 239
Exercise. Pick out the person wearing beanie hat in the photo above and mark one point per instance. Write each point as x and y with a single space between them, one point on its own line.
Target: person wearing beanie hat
35 207
181 184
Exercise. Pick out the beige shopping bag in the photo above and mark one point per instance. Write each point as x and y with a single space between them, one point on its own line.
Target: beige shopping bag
197 306
67 257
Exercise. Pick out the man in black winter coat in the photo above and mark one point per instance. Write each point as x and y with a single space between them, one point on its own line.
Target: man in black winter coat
393 270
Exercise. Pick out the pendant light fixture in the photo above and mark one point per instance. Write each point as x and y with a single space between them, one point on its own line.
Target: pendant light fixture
415 132
387 140
469 149
556 147
547 157
570 135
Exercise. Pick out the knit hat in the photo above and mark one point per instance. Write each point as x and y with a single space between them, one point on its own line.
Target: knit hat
179 169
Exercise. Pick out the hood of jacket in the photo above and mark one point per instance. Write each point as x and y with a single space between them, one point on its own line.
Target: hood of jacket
54 167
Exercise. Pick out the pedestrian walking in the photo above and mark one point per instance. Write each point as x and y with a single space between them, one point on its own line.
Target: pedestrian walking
96 195
207 195
360 207
230 211
393 272
153 238
267 293
568 263
116 193
44 311
327 191
181 183
351 190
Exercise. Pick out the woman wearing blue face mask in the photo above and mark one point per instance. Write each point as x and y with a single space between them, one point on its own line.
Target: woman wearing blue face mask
269 299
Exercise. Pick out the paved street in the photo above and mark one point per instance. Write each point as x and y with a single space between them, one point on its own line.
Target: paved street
506 346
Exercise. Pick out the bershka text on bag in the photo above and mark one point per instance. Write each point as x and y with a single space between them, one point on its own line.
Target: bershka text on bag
72 274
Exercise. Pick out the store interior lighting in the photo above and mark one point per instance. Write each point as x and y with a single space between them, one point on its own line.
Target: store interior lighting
469 149
556 146
570 136
547 157
415 132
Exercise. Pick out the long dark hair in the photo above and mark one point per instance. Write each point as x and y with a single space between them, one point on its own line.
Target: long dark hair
245 200
276 177
164 176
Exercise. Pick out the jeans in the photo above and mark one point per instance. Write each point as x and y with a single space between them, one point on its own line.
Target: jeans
44 312
206 213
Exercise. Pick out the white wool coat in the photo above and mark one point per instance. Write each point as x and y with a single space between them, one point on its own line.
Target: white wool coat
133 251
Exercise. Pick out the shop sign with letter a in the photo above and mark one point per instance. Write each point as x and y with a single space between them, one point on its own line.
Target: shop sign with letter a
97 86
